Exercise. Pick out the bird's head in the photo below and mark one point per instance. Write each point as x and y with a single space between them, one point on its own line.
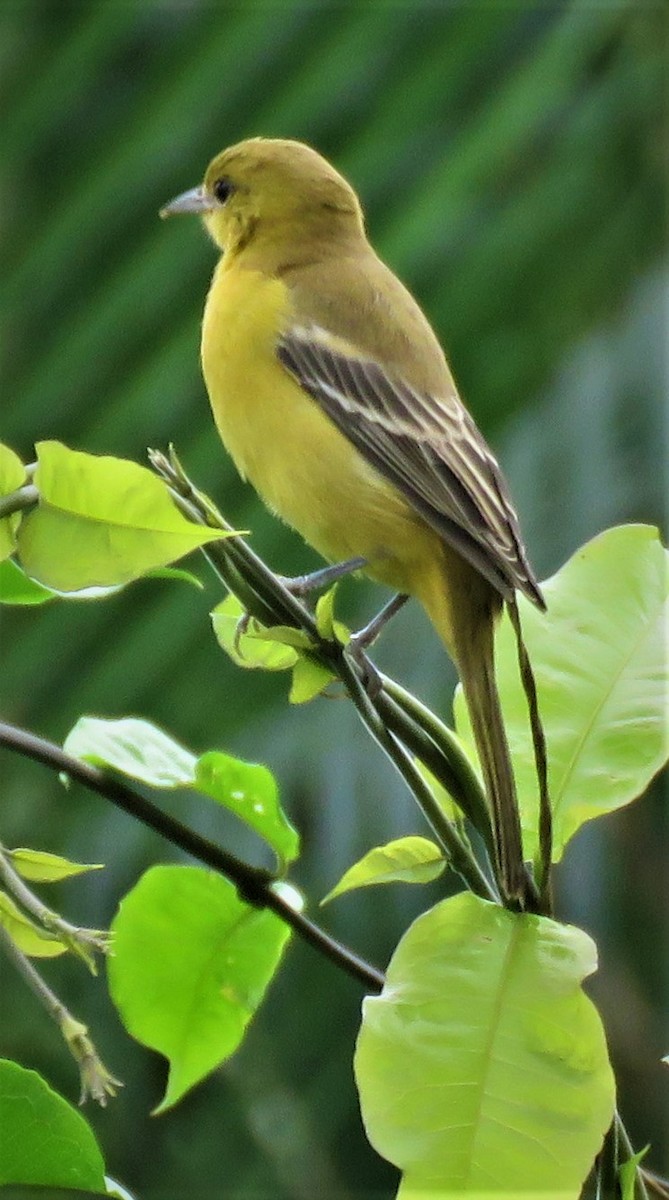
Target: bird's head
270 188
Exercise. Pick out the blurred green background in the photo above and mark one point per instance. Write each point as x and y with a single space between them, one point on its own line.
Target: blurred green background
511 161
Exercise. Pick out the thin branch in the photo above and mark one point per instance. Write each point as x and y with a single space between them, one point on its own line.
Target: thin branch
254 885
47 998
623 1138
258 582
465 788
460 856
24 497
282 607
96 1081
450 764
541 762
80 940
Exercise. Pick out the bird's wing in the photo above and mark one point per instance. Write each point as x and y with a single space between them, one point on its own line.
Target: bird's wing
427 446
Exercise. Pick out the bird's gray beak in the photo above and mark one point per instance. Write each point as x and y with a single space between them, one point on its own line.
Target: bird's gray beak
194 201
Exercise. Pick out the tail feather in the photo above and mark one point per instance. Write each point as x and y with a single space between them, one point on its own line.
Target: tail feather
476 663
463 608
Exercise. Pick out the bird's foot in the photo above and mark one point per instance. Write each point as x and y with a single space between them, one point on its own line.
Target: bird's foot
303 585
365 637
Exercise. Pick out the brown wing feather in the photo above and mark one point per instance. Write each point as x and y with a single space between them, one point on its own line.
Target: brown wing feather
429 448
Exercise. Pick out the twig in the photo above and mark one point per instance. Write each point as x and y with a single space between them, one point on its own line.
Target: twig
450 764
81 941
253 885
96 1081
24 497
258 582
460 856
281 606
541 762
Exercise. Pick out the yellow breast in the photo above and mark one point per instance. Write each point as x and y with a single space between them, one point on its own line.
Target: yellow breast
302 466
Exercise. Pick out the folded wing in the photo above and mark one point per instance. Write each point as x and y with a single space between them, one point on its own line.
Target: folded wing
427 446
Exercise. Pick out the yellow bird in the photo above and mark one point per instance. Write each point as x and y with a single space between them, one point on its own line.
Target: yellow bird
334 398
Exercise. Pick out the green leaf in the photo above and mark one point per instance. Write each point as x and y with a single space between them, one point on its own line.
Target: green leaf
599 659
28 1191
44 1140
41 867
275 648
271 649
135 748
407 860
482 1066
141 751
17 588
176 575
284 635
12 470
326 623
101 521
248 649
250 792
191 965
30 938
12 476
310 678
324 613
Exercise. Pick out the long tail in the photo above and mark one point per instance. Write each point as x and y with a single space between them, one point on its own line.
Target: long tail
463 607
476 664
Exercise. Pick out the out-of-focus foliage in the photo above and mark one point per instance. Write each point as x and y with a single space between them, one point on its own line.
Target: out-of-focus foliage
510 159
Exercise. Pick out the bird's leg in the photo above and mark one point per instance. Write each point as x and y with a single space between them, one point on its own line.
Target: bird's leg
359 642
365 637
301 585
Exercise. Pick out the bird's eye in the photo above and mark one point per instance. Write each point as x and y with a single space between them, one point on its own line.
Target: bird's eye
222 189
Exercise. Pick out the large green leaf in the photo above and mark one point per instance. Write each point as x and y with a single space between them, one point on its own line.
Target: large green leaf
44 1141
141 751
191 965
482 1066
100 521
599 657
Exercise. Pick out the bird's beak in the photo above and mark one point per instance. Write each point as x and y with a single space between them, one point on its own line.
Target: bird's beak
194 201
